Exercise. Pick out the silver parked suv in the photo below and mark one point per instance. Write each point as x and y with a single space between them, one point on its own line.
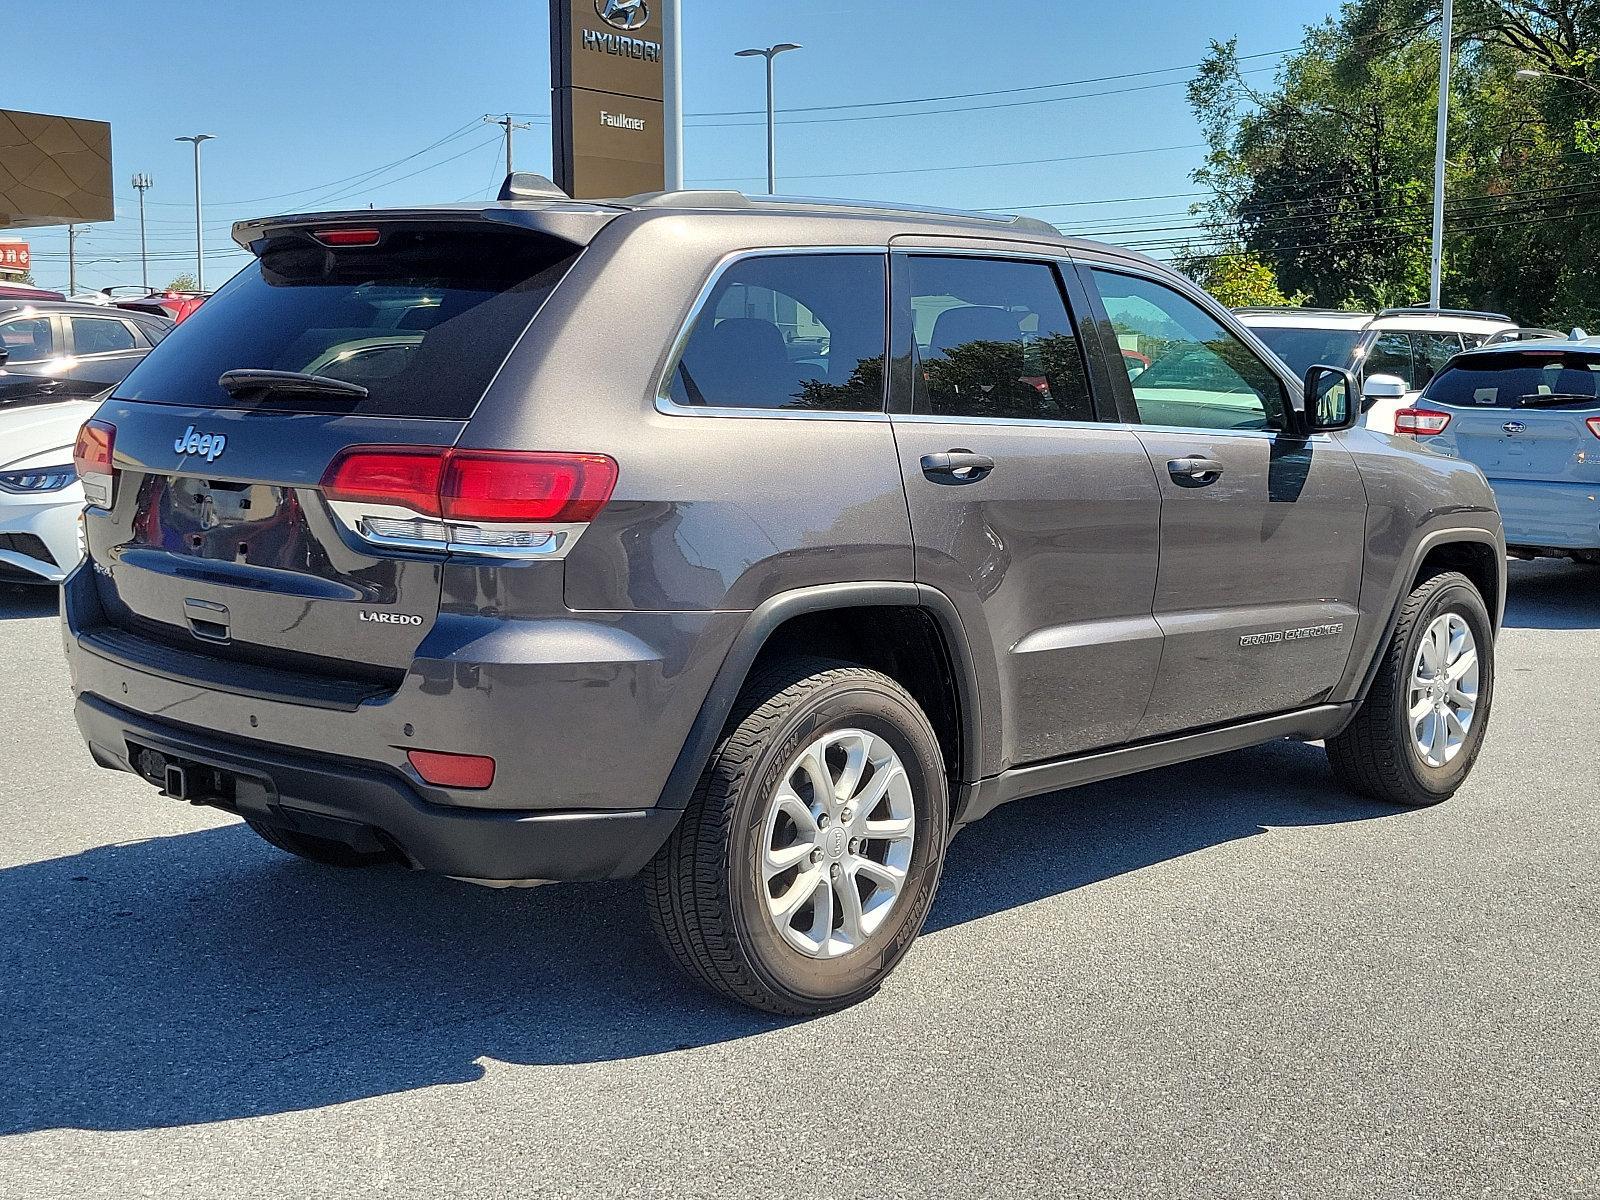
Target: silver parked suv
753 545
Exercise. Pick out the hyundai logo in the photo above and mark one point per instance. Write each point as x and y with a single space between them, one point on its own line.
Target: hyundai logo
1513 427
626 15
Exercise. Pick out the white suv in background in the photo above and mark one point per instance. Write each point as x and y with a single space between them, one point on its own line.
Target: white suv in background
1410 344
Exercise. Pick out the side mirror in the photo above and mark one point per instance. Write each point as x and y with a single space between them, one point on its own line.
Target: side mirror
1330 399
1382 387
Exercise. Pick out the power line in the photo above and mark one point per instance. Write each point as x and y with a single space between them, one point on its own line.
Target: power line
1022 162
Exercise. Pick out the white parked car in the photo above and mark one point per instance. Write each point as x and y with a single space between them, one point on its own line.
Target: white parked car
1406 344
40 497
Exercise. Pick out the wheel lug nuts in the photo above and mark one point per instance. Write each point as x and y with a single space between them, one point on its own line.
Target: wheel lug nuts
847 814
816 855
855 845
835 872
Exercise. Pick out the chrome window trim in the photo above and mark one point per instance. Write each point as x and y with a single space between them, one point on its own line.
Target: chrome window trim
666 405
997 422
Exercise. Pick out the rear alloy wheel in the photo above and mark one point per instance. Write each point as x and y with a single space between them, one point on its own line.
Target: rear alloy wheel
1418 732
806 860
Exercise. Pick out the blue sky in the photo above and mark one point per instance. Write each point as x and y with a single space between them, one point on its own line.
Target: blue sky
303 95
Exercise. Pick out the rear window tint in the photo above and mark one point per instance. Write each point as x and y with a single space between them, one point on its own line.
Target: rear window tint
1530 380
422 321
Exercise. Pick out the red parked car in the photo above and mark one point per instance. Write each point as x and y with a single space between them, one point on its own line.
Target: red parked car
169 303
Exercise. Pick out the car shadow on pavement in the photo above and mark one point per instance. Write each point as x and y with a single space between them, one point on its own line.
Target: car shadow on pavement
1550 593
206 977
24 600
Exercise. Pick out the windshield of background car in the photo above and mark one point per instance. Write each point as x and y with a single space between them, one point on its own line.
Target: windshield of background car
423 321
1304 348
1530 379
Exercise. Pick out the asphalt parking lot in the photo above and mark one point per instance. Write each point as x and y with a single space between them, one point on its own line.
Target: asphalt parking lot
1228 979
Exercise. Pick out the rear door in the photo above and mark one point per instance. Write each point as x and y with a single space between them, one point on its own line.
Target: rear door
103 349
219 539
1262 529
1038 520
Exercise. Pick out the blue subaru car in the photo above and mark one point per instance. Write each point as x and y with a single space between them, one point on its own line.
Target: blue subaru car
1528 415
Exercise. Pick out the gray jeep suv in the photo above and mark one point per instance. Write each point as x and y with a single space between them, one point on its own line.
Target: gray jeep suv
755 546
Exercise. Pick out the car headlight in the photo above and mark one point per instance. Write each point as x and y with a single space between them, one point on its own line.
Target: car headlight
38 479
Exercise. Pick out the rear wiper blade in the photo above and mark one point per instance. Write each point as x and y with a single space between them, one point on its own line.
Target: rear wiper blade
250 381
1555 399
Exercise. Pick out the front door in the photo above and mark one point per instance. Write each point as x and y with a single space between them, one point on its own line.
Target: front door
1262 530
1039 522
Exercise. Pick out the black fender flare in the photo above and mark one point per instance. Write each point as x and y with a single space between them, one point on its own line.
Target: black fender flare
773 612
1426 544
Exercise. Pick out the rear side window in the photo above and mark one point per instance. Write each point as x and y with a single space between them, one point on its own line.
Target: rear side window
1548 379
789 331
422 320
1391 355
993 339
1430 352
100 335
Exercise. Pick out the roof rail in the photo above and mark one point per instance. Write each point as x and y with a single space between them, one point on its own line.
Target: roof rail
1300 308
1417 310
692 198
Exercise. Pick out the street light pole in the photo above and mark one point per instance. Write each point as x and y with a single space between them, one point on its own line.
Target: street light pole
1440 138
142 183
199 235
1528 73
72 260
769 53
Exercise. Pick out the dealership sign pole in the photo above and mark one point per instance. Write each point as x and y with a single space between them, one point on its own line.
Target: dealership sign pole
607 97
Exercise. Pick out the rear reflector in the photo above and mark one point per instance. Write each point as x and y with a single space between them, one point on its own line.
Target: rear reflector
452 770
347 237
514 486
91 456
1420 422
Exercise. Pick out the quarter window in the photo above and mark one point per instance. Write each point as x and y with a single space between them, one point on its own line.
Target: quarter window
1185 368
993 339
100 335
1431 351
789 331
27 339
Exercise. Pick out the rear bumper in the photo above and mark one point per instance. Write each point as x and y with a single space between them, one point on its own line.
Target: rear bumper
365 806
1543 514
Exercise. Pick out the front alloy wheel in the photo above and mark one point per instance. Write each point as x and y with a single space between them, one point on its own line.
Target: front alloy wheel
1444 689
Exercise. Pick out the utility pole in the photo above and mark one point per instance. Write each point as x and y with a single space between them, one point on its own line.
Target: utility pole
769 53
72 260
142 183
199 236
508 125
672 93
1440 137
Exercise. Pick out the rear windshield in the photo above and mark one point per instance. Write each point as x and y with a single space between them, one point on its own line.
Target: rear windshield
423 321
1303 348
1534 379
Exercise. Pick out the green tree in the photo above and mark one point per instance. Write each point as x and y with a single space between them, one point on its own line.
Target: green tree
1326 174
184 283
1238 278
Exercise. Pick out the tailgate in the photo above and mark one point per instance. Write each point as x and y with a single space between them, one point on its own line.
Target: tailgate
1526 443
240 556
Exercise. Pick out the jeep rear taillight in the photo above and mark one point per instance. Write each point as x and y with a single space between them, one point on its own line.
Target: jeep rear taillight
91 456
1420 422
522 502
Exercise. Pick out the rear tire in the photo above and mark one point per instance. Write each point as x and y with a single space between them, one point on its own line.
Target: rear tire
797 898
314 849
1390 750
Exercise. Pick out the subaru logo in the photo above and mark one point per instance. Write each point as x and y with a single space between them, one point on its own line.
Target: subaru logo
208 446
1513 427
626 15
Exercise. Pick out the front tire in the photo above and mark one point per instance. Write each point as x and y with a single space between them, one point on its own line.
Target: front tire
1415 737
807 859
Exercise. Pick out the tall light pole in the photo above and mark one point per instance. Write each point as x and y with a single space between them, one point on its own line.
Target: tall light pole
72 260
199 236
1528 74
142 184
769 53
1440 137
